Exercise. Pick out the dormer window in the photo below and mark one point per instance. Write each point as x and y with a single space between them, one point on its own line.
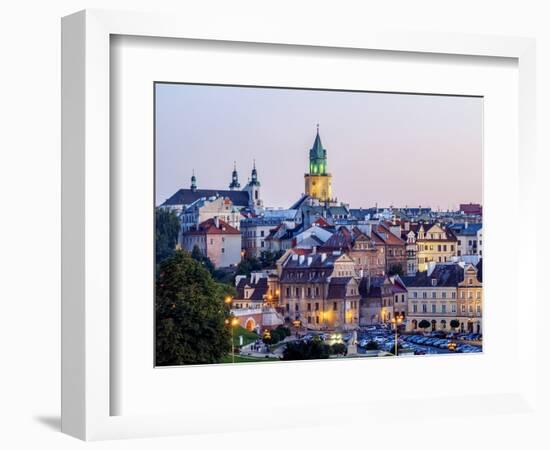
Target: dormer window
434 282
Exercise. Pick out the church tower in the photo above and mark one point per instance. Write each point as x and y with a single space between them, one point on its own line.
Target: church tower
193 182
234 178
253 189
318 181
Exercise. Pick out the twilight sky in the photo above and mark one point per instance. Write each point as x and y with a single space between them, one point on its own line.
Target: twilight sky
390 149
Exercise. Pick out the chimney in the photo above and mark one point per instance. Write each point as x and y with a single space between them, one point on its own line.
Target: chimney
217 221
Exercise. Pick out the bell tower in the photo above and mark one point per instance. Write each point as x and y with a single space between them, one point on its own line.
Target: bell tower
318 183
234 185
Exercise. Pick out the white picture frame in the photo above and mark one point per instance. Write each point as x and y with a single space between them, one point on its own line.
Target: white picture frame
86 247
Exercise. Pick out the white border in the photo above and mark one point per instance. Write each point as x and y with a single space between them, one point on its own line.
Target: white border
85 405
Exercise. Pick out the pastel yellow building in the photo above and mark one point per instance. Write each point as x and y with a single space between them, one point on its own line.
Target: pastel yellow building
434 244
318 183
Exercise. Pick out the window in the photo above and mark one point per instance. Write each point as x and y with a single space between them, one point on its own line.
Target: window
444 309
443 295
223 250
478 294
434 308
453 295
478 309
296 307
402 298
415 308
262 233
316 292
470 281
415 294
316 319
309 320
424 308
424 295
309 292
288 292
463 308
453 308
316 306
309 306
334 306
452 248
434 295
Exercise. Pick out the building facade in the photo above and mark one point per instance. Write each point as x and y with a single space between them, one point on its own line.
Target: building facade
470 301
469 238
444 293
320 291
208 208
435 243
255 231
217 240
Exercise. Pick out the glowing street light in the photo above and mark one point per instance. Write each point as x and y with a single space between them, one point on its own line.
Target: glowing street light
396 321
232 323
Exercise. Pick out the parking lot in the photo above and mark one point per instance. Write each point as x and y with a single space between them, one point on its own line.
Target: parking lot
420 343
382 337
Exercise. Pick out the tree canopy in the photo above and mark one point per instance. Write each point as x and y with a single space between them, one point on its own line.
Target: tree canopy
167 227
190 314
395 269
313 349
424 323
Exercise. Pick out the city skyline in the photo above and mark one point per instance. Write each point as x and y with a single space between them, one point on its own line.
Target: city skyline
383 149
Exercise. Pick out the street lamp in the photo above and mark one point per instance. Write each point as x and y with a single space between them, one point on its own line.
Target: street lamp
232 323
396 320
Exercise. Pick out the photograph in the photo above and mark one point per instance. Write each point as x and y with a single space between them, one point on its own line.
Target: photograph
308 224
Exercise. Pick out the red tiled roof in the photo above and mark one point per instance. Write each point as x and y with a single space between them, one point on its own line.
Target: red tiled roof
209 227
388 237
321 223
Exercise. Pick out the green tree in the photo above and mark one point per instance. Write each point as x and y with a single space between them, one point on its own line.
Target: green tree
197 255
395 269
424 324
338 349
300 350
268 259
248 265
190 314
454 324
372 345
167 226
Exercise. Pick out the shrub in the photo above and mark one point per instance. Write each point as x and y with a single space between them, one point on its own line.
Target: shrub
372 345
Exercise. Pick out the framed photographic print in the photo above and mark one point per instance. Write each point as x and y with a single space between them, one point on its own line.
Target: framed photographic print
243 210
301 274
